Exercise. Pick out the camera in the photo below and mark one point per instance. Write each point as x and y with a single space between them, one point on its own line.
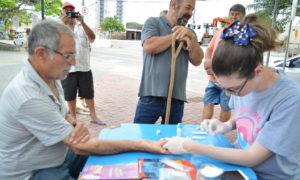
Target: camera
72 14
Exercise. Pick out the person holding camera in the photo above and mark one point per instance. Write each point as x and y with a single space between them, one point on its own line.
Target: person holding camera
80 77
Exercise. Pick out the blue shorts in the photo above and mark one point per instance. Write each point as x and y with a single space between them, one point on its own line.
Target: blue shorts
150 108
216 95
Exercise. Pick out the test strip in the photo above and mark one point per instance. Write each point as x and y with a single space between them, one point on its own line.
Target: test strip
198 137
199 132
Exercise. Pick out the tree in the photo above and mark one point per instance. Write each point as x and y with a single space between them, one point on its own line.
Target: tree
282 12
24 8
111 25
52 7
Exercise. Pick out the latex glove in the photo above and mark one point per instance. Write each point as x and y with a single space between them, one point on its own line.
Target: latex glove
214 126
175 145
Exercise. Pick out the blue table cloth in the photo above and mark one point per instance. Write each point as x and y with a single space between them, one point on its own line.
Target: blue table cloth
149 131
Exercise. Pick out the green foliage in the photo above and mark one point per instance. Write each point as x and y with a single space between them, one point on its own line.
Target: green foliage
111 25
52 7
265 9
24 8
7 3
223 24
134 25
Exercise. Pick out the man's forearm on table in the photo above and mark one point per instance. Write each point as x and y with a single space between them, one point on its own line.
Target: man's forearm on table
99 146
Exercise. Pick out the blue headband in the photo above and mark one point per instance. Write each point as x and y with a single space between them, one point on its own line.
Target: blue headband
241 36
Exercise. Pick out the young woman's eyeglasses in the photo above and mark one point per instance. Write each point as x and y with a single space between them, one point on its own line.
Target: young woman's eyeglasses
236 91
67 56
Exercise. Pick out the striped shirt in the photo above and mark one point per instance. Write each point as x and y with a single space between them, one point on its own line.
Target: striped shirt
32 126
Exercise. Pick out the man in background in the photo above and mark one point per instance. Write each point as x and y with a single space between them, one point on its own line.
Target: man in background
157 37
80 78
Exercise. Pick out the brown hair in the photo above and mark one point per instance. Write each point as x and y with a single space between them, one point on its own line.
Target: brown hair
239 8
229 58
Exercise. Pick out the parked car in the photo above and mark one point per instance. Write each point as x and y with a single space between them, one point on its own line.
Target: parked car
292 67
19 40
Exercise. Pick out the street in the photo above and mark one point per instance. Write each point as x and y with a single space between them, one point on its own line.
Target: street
125 58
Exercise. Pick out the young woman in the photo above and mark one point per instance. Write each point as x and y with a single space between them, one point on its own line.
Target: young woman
265 104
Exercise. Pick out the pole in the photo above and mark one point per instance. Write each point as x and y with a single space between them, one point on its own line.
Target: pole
273 22
287 45
293 14
194 16
43 9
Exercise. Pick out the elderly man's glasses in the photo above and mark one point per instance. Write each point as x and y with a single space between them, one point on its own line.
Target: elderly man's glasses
67 56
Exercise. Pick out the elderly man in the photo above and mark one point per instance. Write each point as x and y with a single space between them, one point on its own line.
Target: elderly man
156 41
38 138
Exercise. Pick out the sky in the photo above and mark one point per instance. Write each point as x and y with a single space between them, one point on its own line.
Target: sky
205 11
139 10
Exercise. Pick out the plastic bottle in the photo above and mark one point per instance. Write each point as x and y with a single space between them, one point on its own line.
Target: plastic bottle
179 129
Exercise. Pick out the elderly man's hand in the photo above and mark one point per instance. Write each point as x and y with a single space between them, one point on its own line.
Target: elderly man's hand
80 133
153 146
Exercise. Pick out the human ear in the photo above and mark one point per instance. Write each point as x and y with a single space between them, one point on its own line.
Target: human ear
40 52
259 70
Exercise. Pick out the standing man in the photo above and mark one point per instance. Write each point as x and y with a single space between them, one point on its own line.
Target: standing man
156 41
39 140
213 93
80 77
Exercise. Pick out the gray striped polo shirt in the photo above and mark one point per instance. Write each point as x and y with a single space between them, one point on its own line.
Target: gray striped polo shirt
32 126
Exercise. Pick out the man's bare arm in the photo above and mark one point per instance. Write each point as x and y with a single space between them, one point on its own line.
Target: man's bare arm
91 35
195 53
208 61
157 44
99 146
